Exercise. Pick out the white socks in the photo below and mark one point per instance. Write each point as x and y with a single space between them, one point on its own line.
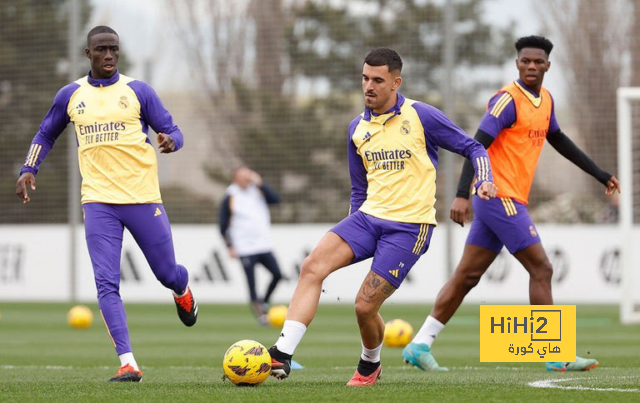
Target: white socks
429 331
290 337
127 358
371 355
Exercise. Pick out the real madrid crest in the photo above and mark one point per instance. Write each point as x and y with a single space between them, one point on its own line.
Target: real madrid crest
405 128
123 103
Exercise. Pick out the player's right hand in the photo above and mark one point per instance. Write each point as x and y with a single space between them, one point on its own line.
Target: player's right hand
25 179
460 210
232 252
487 190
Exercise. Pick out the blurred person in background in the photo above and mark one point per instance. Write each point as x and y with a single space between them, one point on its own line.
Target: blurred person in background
393 159
245 225
111 114
518 120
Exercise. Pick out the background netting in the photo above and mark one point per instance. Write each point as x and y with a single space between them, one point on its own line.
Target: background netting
274 84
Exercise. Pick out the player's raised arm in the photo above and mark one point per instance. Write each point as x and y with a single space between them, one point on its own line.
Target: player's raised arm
568 149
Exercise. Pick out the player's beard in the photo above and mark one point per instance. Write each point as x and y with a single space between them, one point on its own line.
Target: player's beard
372 103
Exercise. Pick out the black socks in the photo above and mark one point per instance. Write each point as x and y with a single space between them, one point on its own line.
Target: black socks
366 368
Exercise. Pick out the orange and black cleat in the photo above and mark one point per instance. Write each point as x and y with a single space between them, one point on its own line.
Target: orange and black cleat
127 374
361 380
280 363
187 308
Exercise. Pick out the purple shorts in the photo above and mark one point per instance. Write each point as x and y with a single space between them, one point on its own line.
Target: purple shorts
394 246
501 222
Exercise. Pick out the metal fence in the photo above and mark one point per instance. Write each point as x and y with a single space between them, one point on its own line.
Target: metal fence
274 84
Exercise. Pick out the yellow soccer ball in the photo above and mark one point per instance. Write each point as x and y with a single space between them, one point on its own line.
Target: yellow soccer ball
80 317
397 333
247 363
276 315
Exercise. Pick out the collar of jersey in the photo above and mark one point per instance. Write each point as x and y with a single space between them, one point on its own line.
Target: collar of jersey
105 82
536 99
383 118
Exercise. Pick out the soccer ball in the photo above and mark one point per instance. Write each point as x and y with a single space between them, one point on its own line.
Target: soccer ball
397 333
80 317
247 363
277 315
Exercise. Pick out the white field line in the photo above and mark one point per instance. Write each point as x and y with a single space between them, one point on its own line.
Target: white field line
553 384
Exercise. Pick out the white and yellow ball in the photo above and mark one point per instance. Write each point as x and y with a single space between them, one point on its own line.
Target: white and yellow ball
80 317
277 315
247 363
397 333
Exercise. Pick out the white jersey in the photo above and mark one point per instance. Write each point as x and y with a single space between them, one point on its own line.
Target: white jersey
249 228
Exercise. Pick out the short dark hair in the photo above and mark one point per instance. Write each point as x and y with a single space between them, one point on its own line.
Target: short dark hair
384 57
100 29
534 41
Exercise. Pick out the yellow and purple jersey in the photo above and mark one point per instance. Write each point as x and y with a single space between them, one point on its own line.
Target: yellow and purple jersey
393 158
519 120
111 118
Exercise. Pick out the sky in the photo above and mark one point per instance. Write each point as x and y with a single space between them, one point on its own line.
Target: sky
148 37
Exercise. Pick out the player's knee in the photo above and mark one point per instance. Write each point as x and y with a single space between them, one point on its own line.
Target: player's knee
106 286
277 276
312 269
472 280
107 290
364 310
467 278
543 271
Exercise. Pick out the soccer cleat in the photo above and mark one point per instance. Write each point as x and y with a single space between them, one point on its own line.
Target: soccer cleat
581 364
419 355
280 366
127 373
263 320
187 308
361 380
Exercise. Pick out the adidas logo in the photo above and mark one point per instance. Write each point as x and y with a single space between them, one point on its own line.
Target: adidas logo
81 105
394 273
158 212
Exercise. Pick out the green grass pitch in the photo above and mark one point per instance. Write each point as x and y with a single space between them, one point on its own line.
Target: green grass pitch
41 358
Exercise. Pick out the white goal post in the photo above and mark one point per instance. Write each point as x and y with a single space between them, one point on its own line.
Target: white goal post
628 312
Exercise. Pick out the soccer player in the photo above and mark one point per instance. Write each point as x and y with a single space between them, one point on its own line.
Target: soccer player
245 225
393 157
111 114
518 119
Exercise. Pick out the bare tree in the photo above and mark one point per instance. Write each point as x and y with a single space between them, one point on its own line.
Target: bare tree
216 35
595 36
232 47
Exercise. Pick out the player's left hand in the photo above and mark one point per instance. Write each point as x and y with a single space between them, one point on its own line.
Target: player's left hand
612 185
166 143
487 190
